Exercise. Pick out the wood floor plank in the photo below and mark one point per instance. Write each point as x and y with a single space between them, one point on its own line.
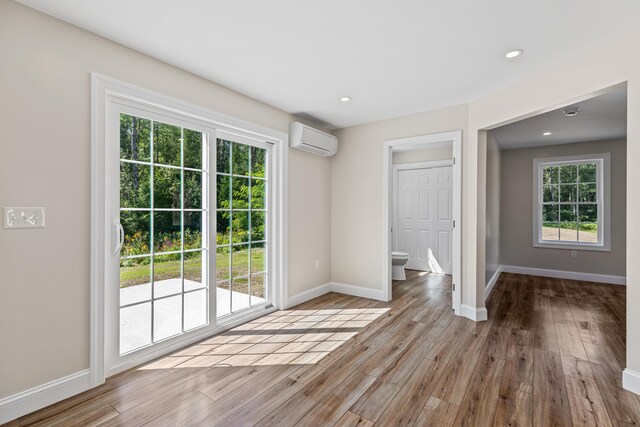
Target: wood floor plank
481 398
331 408
622 405
545 335
586 322
407 404
587 406
352 420
550 354
569 338
437 412
453 383
165 410
375 400
550 401
237 396
253 411
515 400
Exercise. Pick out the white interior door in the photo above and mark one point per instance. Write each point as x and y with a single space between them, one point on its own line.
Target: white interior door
423 218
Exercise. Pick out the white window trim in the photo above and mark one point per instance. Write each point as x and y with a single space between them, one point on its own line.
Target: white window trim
104 90
604 203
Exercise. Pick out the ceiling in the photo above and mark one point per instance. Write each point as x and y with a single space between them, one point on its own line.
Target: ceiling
392 57
599 118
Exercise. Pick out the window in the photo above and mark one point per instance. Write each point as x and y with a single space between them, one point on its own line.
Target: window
571 202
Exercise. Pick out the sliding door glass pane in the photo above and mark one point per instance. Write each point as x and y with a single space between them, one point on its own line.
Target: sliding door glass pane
195 264
195 309
135 182
166 144
167 275
135 327
164 261
167 317
135 277
135 138
241 215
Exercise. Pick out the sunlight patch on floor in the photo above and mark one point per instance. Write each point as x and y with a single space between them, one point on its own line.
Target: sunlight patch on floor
287 337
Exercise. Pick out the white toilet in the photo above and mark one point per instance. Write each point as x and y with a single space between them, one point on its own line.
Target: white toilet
398 260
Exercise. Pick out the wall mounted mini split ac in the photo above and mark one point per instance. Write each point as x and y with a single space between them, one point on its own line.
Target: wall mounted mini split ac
312 140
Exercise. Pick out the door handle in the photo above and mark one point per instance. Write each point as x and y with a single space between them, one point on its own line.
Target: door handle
120 231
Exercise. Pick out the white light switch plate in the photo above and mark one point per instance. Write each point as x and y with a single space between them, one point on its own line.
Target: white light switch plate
23 217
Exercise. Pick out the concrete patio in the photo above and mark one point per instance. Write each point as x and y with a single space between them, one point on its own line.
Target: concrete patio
135 321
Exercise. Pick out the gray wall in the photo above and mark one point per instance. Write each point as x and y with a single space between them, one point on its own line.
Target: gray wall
517 211
492 218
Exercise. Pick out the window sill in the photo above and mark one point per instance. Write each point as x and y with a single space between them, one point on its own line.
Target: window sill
572 246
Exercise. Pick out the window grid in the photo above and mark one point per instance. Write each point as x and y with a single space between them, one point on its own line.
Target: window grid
163 165
203 249
577 202
249 242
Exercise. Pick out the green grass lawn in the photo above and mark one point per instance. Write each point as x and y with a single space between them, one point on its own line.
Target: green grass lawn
584 226
139 274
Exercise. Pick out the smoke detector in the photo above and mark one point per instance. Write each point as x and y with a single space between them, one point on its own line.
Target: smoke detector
571 111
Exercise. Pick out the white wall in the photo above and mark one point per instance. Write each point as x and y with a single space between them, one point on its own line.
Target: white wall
424 155
45 160
357 255
518 211
493 216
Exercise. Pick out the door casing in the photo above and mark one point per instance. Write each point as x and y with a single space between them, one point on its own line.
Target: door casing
415 143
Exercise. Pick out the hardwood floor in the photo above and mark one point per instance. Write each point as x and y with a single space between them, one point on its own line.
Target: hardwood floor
551 354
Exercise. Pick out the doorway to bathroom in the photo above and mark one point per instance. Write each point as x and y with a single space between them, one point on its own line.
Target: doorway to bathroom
422 200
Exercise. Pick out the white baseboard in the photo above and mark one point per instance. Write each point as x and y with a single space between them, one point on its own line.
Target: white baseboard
631 380
341 288
358 291
492 282
308 295
570 275
23 403
475 314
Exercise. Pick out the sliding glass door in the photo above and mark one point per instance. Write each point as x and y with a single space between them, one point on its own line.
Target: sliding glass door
190 231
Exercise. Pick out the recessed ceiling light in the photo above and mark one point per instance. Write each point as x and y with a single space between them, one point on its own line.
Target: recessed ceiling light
345 99
546 133
513 53
571 111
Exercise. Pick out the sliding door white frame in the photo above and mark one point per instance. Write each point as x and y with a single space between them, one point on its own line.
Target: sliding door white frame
105 92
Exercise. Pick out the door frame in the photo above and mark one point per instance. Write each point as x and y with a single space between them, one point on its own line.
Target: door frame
105 90
415 143
431 164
